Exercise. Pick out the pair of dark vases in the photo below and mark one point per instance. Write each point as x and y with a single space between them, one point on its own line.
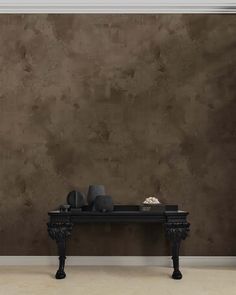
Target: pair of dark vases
96 198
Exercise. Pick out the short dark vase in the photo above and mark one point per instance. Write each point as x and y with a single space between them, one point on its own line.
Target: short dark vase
103 204
93 192
75 199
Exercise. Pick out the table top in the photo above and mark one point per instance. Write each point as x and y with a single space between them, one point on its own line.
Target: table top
118 210
121 213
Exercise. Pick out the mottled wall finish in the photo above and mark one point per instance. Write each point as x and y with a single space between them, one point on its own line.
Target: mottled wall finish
141 103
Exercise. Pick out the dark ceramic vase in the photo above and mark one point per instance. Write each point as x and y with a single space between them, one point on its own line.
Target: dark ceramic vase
93 192
75 199
103 204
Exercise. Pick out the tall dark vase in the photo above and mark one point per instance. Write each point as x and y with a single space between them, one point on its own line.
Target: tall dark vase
94 191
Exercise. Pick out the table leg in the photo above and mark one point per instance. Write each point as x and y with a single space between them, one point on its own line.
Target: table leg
62 257
176 233
59 233
175 257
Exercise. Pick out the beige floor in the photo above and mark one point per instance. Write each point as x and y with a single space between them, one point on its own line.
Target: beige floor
116 281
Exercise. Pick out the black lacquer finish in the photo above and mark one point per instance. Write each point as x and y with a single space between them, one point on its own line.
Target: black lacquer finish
59 230
175 224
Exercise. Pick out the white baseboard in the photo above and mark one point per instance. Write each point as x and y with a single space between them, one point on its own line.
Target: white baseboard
216 261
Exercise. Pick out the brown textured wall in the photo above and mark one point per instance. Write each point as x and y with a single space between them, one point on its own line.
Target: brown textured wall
140 103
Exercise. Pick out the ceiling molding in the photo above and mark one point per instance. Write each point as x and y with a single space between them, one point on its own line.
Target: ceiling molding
117 6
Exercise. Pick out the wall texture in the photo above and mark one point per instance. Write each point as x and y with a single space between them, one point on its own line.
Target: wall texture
144 104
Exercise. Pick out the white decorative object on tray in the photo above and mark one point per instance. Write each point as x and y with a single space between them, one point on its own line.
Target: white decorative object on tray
151 200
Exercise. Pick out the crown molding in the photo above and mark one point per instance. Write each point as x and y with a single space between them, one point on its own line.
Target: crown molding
117 6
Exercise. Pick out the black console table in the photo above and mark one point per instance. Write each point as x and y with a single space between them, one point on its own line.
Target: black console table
61 224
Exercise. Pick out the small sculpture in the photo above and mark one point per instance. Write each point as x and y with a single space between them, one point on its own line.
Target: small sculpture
75 199
151 200
152 204
65 208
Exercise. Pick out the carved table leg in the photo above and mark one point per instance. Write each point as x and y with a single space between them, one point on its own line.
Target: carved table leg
62 257
60 232
175 233
175 257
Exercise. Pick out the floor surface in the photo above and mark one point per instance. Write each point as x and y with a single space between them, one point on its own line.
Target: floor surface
102 280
